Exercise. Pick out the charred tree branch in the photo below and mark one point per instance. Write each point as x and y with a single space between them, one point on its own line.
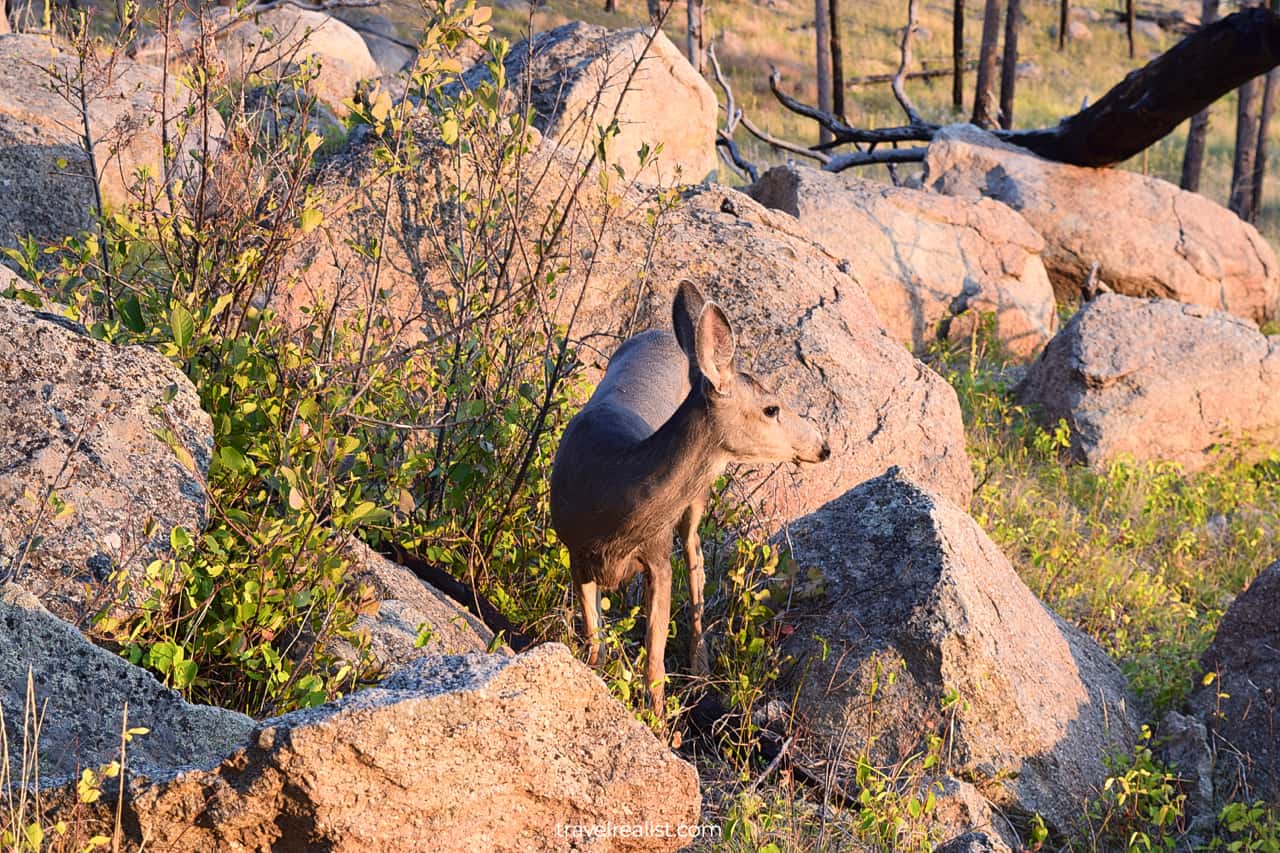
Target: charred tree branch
1147 105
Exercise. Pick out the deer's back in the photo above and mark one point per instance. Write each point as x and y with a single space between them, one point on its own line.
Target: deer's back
593 496
647 379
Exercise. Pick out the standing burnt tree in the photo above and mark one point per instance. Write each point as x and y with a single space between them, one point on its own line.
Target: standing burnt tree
695 40
1009 65
1260 156
1193 158
1242 169
984 95
822 37
1129 15
1064 19
837 59
957 56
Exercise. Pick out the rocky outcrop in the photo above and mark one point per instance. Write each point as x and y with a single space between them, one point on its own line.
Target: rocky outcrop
81 692
1241 708
973 842
389 48
105 451
918 606
803 326
274 43
922 257
1148 237
412 619
581 76
475 752
1155 379
46 190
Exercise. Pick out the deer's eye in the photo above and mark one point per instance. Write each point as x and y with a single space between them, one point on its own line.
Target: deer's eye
770 411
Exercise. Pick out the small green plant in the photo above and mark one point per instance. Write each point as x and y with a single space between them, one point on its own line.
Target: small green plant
1248 828
23 827
1141 805
1140 555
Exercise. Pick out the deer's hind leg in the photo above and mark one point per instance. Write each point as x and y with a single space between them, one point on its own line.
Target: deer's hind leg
688 531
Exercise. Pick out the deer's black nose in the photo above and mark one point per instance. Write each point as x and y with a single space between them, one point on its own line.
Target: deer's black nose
825 453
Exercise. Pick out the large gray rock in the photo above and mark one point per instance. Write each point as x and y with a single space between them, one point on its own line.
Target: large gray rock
581 75
1241 709
1148 237
917 601
923 257
1155 379
390 46
271 45
82 691
464 753
84 419
45 186
410 611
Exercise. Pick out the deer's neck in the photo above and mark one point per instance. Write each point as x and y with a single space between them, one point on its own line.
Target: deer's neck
684 457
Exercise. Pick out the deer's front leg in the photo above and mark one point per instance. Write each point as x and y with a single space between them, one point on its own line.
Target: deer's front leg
657 612
688 530
589 599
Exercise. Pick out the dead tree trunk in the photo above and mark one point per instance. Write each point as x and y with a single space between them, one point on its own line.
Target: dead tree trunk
1149 103
1241 197
984 96
1128 26
957 56
822 34
1198 133
694 40
837 60
611 5
1260 155
1009 67
1064 16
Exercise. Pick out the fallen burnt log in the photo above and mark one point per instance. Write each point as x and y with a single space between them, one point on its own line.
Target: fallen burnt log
1150 102
1147 105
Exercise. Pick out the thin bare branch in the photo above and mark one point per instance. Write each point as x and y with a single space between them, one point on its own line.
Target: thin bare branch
733 114
784 145
845 133
899 90
885 156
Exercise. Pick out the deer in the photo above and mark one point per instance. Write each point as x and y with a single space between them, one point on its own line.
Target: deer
637 463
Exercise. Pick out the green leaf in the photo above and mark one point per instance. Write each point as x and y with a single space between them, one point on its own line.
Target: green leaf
233 460
131 313
310 220
182 324
179 539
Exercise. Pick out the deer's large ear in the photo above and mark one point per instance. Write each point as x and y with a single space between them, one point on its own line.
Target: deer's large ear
715 346
684 316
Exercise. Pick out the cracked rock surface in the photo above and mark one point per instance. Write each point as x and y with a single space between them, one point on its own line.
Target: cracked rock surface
84 419
1241 709
923 257
474 752
577 74
1148 237
1156 379
82 691
916 599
